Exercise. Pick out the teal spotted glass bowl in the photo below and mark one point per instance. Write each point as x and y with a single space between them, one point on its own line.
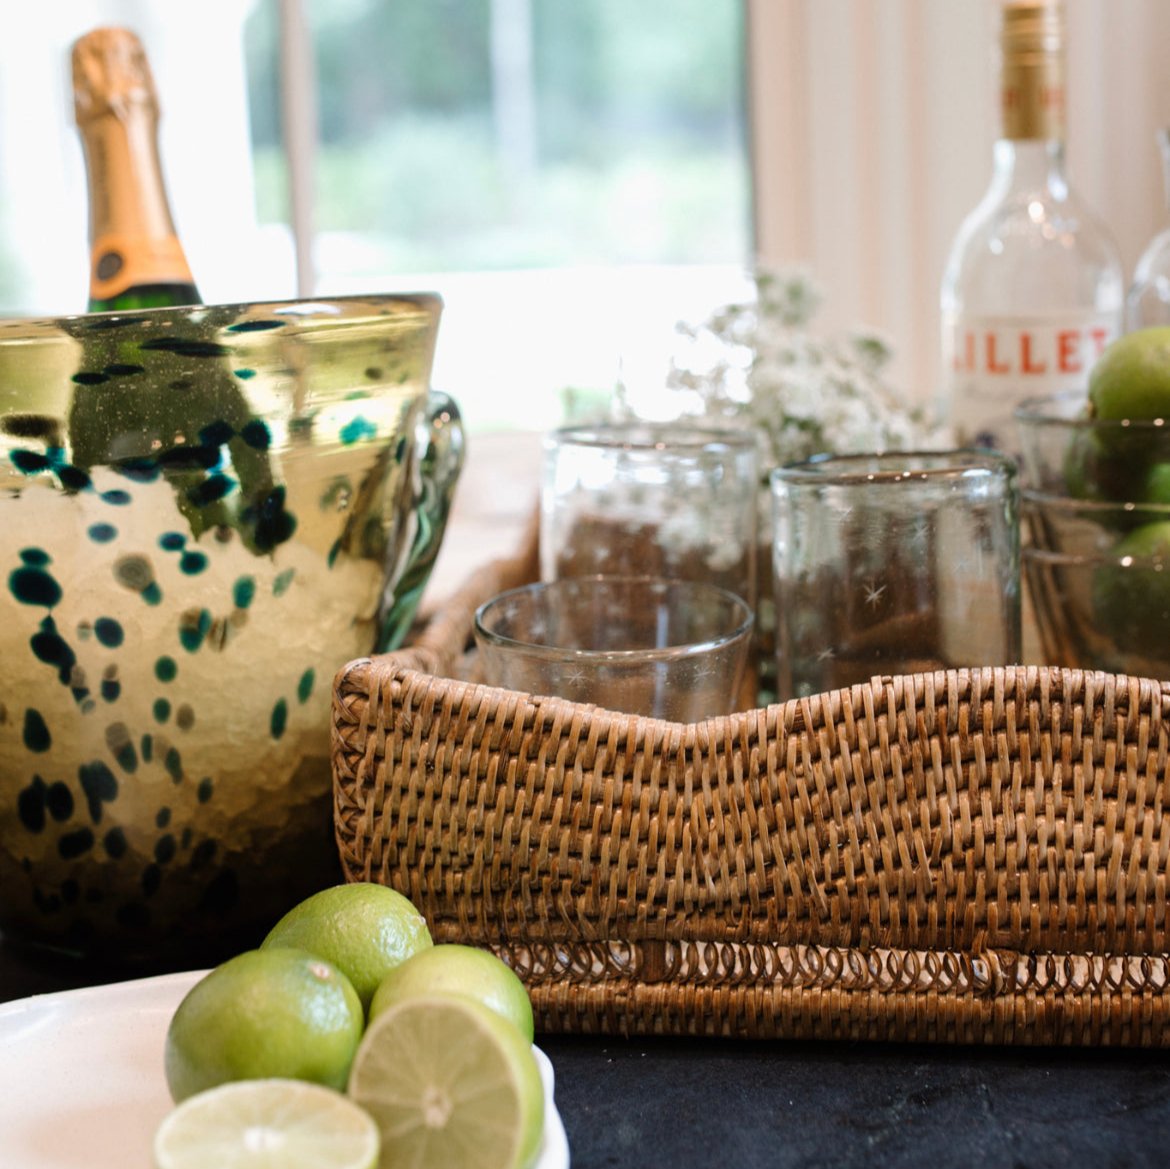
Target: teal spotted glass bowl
204 513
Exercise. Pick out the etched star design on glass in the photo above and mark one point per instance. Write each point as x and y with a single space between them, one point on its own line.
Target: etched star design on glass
873 593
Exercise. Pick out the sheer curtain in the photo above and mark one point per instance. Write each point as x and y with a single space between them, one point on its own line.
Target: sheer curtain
872 125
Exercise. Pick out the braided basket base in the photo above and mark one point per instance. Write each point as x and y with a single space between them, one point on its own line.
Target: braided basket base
965 856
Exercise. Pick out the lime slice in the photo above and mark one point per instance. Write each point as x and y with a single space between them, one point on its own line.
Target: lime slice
260 1124
451 1084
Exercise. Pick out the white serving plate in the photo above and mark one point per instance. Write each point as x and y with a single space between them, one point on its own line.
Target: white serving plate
82 1082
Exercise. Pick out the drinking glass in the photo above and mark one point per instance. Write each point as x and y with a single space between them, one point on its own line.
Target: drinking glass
893 564
667 500
668 649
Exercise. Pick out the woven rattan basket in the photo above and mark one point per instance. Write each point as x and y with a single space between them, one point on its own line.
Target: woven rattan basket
965 856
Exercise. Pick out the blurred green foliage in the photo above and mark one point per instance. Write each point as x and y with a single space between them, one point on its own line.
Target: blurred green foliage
638 143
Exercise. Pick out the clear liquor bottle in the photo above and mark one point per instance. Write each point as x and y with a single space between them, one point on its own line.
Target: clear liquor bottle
136 259
1148 300
1033 287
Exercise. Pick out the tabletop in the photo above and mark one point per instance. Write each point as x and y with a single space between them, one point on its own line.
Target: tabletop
677 1103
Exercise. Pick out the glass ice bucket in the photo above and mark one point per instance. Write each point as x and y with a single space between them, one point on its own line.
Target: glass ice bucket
204 513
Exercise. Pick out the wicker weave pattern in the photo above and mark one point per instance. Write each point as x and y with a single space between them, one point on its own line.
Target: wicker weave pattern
966 856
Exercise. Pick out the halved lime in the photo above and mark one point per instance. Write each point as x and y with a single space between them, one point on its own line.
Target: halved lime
451 1085
260 1124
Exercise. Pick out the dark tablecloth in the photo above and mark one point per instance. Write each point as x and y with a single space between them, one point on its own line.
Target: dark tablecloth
676 1103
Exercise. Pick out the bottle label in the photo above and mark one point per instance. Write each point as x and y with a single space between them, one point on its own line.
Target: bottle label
121 261
994 363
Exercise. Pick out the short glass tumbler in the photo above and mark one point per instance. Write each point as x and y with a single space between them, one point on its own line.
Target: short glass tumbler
667 500
667 649
894 563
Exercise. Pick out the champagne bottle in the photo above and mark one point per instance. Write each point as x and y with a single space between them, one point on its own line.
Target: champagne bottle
136 260
195 440
1033 288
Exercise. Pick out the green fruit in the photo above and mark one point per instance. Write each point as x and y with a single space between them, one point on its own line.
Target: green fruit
451 1085
1106 467
1131 591
461 970
1157 486
256 1124
363 929
264 1013
1129 383
1131 379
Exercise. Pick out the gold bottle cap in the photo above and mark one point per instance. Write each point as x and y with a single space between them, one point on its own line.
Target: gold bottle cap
1032 68
110 74
1032 26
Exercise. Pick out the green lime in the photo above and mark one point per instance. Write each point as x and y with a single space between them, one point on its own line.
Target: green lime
364 929
1131 378
263 1014
1157 488
456 969
1129 388
451 1084
260 1124
1131 591
1106 466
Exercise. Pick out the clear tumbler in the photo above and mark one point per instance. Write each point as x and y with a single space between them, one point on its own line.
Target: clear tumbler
894 564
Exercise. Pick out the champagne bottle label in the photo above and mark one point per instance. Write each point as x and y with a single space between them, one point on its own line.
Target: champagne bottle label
996 362
122 261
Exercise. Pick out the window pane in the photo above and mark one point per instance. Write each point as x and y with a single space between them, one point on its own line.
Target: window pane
528 138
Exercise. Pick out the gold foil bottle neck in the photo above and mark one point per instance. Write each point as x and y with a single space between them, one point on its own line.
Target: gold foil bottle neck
1032 69
1031 26
110 75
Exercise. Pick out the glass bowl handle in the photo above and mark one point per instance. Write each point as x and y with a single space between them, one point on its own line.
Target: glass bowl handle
439 451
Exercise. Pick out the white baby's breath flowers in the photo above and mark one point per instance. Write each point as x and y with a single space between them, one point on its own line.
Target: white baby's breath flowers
756 364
